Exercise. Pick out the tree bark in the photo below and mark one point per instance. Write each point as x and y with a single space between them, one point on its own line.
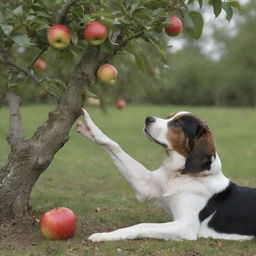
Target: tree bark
29 158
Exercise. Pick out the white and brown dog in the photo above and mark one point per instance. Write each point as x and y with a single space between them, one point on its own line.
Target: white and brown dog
189 185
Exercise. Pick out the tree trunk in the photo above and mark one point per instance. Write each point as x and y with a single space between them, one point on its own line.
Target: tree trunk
29 158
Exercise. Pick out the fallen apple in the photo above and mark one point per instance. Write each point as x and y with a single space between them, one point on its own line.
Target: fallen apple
58 223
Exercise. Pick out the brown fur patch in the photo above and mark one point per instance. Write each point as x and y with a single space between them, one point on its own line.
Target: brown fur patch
178 140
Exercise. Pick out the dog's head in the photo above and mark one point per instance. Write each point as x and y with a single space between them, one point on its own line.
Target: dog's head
187 134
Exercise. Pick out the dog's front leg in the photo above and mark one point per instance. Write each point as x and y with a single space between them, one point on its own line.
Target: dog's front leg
176 230
142 180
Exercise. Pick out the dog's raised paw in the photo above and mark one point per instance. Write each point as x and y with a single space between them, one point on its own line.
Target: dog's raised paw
85 113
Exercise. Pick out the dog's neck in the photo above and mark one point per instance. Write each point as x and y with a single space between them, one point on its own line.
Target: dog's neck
174 162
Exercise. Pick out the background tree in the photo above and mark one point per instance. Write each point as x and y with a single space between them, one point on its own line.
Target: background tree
23 30
237 84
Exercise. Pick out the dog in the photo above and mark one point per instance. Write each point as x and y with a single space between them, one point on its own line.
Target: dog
189 185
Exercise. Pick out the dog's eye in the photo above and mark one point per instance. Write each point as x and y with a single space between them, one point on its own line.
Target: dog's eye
176 122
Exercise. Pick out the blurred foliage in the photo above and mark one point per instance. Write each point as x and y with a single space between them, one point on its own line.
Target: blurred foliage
192 78
147 71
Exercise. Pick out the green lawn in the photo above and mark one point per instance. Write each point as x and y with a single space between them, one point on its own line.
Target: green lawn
83 178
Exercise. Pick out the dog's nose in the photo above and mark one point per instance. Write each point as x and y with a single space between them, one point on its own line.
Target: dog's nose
150 119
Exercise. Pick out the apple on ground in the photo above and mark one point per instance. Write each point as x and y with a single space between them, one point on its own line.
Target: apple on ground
120 103
107 73
59 36
40 64
95 33
58 223
175 26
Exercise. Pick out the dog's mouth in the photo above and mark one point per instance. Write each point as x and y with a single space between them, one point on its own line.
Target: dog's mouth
150 137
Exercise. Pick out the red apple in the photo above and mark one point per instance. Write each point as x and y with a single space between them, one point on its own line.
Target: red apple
120 103
154 71
95 33
59 36
175 26
40 64
58 223
107 73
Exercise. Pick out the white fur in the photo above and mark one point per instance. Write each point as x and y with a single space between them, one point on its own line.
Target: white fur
159 128
182 196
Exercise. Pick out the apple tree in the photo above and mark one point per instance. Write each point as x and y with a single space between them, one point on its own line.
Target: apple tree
25 28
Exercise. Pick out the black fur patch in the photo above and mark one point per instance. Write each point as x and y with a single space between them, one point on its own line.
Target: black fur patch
191 127
201 150
234 211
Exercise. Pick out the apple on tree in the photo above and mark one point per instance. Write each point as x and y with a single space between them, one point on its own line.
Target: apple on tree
58 223
154 71
40 64
107 73
59 36
94 101
120 103
95 33
175 26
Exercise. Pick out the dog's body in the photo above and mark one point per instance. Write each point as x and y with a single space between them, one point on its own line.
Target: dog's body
189 185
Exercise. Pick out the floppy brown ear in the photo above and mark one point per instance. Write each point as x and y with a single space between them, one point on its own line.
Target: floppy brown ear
203 151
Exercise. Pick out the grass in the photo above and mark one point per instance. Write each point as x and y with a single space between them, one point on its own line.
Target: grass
83 178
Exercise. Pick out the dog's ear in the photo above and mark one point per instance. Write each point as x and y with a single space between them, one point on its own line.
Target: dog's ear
201 156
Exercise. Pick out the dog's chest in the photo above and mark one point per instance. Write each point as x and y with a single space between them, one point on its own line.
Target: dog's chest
180 193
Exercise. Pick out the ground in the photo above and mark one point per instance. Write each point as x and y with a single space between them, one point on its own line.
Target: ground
83 178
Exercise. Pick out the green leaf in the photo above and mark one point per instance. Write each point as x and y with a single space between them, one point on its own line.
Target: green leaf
139 62
229 12
13 86
194 24
90 94
42 14
236 5
155 43
143 13
74 38
158 28
153 4
138 59
134 7
78 10
217 7
18 11
200 3
87 19
21 40
7 29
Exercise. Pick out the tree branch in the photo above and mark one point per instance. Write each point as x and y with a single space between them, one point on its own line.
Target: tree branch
64 11
37 57
8 61
16 133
